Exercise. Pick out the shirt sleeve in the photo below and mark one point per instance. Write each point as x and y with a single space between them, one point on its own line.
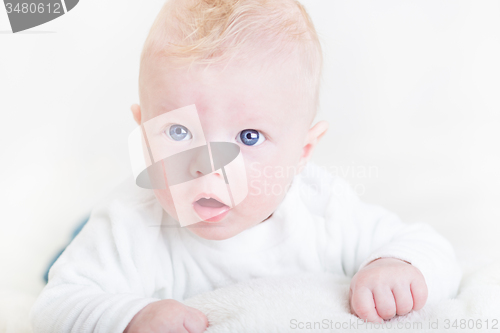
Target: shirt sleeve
102 279
369 232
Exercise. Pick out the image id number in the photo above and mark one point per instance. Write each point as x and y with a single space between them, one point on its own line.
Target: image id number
33 8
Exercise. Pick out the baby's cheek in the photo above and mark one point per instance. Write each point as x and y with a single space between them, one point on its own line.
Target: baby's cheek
266 192
269 182
164 197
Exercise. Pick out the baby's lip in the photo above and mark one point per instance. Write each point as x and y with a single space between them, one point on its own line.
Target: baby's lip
210 208
208 196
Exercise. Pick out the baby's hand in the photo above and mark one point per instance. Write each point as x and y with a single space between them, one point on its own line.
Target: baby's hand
168 316
386 287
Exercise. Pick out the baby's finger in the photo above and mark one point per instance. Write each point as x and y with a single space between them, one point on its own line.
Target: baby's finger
404 300
196 322
363 305
419 293
350 302
202 316
204 320
384 302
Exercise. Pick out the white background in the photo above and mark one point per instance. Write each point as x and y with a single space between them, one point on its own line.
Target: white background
411 90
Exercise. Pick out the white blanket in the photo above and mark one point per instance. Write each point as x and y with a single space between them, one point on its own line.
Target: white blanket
289 304
292 304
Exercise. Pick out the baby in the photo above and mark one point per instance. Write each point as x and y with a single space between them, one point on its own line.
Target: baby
244 73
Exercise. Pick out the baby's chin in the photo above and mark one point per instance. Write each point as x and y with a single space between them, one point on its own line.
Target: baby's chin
213 231
221 230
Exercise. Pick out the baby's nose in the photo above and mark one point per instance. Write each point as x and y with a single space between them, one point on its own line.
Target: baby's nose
201 163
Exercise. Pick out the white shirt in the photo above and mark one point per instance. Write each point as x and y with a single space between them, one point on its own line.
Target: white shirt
132 253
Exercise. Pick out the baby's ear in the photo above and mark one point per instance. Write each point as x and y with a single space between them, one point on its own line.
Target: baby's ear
136 112
318 131
313 136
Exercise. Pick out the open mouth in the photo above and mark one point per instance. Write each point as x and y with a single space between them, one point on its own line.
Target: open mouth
210 209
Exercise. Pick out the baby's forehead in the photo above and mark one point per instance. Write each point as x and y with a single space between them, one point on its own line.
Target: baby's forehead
233 85
249 59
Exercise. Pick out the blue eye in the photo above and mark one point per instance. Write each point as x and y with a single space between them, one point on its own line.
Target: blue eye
250 137
179 133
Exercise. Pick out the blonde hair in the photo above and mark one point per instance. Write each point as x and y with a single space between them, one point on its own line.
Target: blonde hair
215 31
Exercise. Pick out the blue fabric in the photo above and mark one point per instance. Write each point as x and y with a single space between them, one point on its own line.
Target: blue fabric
73 235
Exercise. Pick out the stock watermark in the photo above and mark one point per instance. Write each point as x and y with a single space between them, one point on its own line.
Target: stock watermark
204 180
24 14
263 178
354 171
436 324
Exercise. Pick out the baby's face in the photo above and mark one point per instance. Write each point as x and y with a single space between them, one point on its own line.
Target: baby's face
260 111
